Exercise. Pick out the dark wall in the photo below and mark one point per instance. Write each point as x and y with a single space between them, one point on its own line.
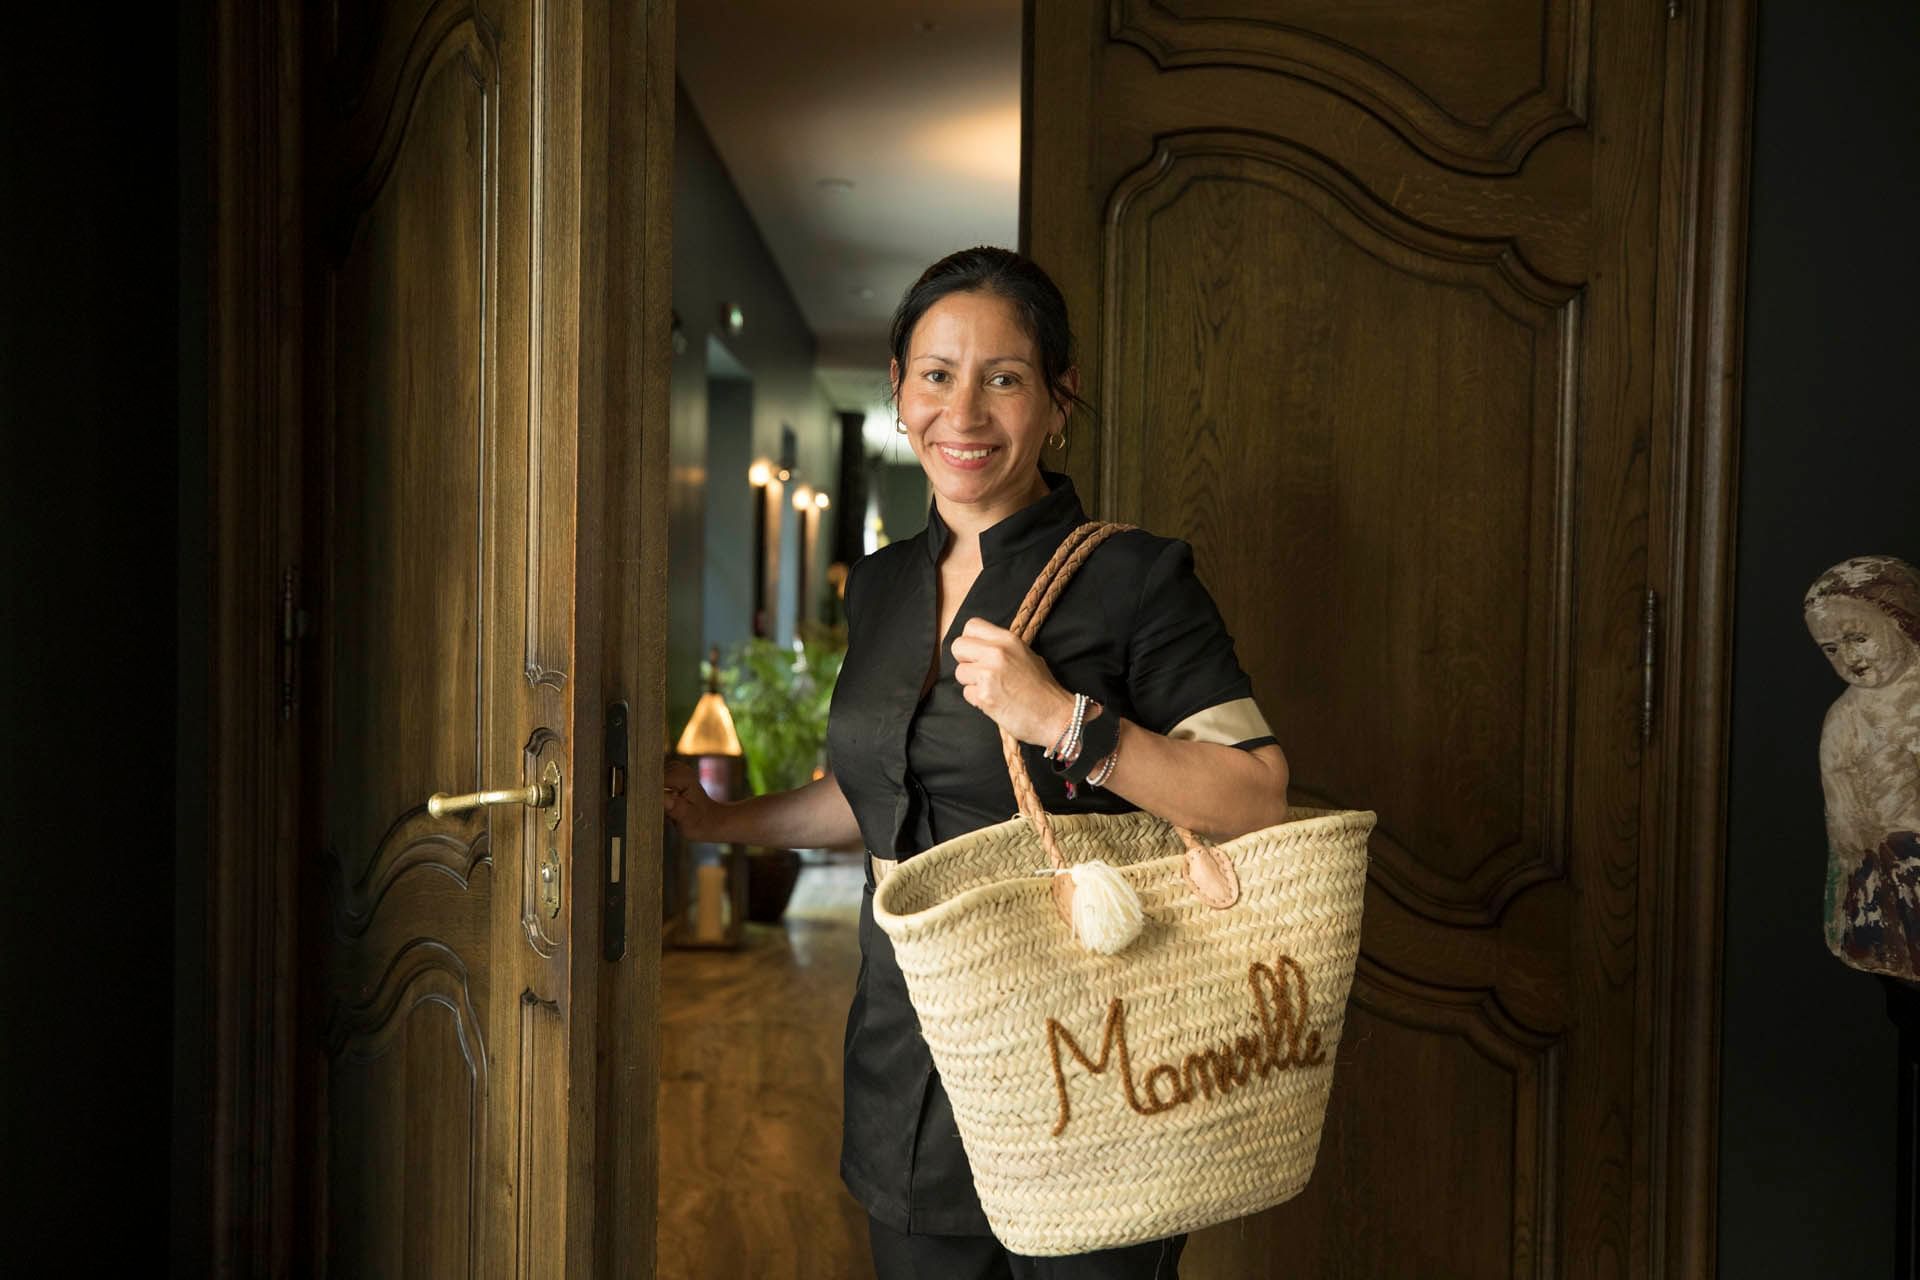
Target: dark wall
1829 468
720 257
95 329
728 582
901 493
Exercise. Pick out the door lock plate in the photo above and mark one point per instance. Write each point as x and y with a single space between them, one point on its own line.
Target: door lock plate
550 881
551 776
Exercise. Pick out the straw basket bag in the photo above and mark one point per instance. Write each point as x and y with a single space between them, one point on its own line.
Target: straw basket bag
1138 1048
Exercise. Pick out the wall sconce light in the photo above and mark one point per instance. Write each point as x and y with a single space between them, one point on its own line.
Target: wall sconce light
760 476
809 502
733 318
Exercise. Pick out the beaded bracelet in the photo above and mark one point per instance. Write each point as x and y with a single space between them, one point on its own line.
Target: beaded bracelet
1067 746
1098 737
1098 778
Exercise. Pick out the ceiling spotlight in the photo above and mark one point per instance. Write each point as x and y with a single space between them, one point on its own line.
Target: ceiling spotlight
733 318
821 501
802 498
759 473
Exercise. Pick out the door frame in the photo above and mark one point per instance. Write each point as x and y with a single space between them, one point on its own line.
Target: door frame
259 839
254 441
1703 236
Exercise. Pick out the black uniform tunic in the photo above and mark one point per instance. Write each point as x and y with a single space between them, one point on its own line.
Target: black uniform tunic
1135 631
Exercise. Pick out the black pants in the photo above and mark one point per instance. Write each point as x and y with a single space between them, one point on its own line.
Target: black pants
899 1256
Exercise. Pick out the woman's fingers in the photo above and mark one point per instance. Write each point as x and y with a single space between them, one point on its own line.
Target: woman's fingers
1001 676
984 630
973 649
682 792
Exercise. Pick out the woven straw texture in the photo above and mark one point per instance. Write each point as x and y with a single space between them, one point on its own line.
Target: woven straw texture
988 963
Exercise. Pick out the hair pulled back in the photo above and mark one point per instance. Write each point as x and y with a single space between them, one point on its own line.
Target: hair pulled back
1037 303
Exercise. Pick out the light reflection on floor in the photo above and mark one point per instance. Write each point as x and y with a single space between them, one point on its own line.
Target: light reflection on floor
750 1100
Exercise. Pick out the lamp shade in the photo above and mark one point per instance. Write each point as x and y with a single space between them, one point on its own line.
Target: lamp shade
709 730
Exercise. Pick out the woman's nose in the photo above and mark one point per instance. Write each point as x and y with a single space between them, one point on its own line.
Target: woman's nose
969 405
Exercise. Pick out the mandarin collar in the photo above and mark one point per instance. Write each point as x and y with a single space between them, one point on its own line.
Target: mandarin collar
1056 514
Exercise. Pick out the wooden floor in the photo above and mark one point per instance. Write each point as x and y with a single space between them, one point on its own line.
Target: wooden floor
750 1096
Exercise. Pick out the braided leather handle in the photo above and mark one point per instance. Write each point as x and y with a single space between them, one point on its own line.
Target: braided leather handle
1209 871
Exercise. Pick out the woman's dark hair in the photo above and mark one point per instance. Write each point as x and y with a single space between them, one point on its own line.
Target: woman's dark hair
1036 300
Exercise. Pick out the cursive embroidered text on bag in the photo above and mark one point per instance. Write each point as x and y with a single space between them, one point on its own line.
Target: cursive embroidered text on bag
1280 1042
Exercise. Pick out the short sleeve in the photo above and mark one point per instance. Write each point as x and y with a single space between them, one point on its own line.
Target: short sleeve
1182 674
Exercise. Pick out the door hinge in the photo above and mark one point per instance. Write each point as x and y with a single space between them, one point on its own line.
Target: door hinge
293 627
1649 658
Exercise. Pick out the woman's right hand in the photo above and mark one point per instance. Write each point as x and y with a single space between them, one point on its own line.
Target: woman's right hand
815 816
688 805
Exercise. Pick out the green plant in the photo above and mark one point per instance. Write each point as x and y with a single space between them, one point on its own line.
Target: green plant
779 697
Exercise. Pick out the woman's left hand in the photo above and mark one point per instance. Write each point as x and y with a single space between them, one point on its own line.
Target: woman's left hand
1000 675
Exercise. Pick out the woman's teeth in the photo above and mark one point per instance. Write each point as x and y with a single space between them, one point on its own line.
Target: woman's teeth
965 455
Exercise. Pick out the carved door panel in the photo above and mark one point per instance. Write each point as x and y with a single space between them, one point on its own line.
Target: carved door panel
1367 299
453 964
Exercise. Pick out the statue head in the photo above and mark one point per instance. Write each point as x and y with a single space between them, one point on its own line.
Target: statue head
1864 614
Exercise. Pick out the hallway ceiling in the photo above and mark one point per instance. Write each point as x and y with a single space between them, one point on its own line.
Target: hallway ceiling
916 105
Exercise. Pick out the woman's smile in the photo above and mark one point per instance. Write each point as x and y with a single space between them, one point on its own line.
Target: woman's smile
967 457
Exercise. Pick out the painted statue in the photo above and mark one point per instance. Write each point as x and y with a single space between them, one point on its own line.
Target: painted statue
1865 616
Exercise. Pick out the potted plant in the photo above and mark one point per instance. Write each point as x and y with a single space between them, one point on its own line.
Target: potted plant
779 696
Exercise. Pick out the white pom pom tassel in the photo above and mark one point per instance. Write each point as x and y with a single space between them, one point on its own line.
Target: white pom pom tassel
1106 908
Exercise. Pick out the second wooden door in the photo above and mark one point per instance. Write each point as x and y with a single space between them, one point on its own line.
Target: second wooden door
1370 302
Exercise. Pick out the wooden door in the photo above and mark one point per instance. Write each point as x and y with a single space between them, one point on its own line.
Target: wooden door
1371 305
487 239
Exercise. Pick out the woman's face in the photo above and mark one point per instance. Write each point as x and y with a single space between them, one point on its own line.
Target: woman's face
1864 645
976 409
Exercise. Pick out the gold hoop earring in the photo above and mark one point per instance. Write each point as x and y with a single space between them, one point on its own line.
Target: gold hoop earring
900 426
1058 440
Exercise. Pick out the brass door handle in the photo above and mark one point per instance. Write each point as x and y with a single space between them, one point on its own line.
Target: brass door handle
544 794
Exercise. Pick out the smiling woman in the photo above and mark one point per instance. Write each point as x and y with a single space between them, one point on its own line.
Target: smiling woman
982 374
974 406
1130 698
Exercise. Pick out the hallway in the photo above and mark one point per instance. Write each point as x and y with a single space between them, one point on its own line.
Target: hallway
750 1095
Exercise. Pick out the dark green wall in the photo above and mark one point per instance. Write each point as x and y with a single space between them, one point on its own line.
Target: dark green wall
1829 468
719 257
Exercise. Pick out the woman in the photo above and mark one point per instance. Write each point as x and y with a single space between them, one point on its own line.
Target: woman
983 379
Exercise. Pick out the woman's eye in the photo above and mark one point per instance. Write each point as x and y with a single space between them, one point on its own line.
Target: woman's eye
936 375
1003 380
